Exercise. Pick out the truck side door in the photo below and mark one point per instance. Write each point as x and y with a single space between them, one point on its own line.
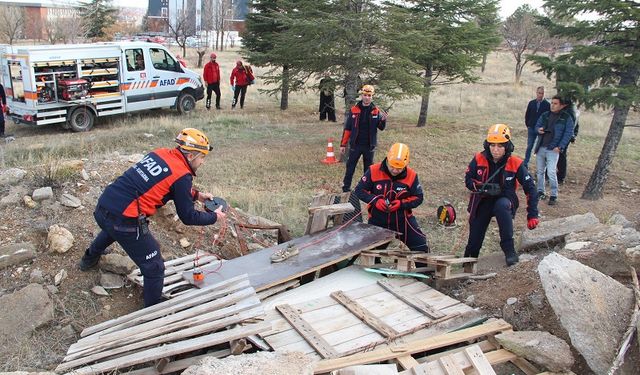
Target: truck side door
168 72
137 85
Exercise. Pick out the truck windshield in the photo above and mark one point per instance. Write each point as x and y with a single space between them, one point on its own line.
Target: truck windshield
162 60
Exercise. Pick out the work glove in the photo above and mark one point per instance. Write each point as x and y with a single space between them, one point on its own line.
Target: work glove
533 223
381 205
394 205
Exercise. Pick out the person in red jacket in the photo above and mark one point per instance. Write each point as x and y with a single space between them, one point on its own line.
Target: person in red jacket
182 61
211 76
392 190
126 204
240 79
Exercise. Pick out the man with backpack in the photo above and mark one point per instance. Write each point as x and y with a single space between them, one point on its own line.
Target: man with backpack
241 78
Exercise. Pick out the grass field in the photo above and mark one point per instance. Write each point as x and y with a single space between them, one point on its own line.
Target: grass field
266 161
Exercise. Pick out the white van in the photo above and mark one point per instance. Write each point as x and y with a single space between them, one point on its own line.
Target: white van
71 85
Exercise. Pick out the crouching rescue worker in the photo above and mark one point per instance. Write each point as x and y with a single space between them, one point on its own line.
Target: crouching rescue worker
123 209
392 190
493 176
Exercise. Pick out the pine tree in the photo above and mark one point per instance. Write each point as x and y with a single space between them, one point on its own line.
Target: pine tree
445 39
98 15
602 72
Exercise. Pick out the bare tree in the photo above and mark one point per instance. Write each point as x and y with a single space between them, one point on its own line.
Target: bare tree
522 34
221 15
12 22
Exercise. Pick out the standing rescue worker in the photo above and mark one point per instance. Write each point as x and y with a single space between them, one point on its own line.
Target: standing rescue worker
123 209
211 76
493 176
392 190
239 81
360 132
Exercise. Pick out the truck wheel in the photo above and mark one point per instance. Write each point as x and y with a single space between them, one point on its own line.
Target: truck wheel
81 120
186 103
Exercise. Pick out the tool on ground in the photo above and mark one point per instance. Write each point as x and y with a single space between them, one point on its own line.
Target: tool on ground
198 275
446 215
213 204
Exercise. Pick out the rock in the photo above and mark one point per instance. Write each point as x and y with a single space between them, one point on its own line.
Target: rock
527 257
122 265
511 300
84 175
592 307
99 291
68 332
470 300
59 239
11 176
29 202
42 194
52 289
148 135
110 280
16 253
542 348
577 245
134 158
25 310
184 242
36 276
272 363
69 200
555 230
618 219
59 277
14 196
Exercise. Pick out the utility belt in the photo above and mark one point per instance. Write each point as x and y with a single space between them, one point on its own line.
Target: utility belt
121 223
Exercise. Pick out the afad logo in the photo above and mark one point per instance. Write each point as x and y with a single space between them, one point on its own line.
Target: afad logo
378 187
168 82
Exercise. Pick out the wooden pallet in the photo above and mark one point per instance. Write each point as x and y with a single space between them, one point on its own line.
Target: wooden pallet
401 260
348 322
187 323
326 206
174 284
445 264
471 358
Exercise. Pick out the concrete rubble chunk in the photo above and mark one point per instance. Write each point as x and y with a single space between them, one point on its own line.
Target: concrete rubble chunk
122 265
59 277
110 280
592 307
29 202
59 239
619 219
14 196
42 194
542 348
555 230
84 175
17 253
25 310
11 176
272 363
99 291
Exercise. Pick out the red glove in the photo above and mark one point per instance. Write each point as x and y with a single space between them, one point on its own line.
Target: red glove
381 205
533 223
394 206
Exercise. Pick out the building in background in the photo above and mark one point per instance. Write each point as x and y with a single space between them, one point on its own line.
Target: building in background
39 15
200 15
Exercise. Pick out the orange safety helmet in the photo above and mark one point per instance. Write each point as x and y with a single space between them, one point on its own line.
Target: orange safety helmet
398 156
499 133
367 89
190 139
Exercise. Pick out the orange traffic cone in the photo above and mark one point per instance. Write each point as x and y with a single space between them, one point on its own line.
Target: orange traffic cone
331 158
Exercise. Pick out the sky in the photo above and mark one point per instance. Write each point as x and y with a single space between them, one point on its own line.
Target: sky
507 7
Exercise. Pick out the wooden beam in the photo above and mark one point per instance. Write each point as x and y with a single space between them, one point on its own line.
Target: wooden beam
363 314
421 345
449 366
180 364
417 304
307 331
407 362
333 209
479 361
173 349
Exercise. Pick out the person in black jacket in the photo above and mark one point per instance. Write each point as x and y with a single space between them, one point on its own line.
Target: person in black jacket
124 207
492 177
3 97
327 107
561 171
535 108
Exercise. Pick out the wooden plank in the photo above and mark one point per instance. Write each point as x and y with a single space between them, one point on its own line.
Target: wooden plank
180 364
319 221
278 288
407 362
411 301
317 251
164 307
207 327
479 361
363 314
172 349
426 344
333 209
307 332
493 357
449 366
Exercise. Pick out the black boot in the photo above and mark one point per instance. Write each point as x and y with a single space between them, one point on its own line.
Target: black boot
208 103
511 258
88 261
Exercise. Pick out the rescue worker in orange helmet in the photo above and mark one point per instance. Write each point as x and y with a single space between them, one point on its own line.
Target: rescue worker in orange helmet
126 204
392 189
492 177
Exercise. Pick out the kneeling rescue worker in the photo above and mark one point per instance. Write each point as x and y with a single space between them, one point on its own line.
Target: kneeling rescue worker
162 175
493 176
392 190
